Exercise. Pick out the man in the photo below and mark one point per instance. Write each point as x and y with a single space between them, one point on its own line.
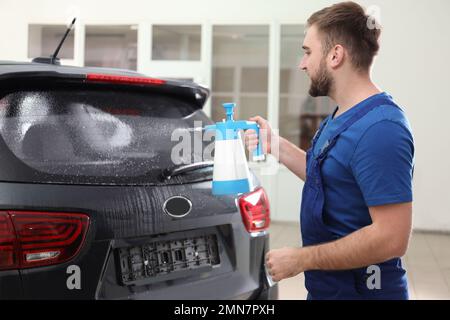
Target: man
356 206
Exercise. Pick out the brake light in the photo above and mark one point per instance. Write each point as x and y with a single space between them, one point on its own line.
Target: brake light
255 210
31 239
8 243
96 77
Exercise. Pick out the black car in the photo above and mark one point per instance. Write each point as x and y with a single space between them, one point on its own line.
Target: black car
93 207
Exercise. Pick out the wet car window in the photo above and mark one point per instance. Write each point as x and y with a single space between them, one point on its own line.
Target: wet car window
106 136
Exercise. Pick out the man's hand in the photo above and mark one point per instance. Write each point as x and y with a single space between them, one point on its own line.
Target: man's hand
284 151
251 139
284 263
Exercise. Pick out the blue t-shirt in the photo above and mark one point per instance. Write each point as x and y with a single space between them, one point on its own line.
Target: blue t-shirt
371 164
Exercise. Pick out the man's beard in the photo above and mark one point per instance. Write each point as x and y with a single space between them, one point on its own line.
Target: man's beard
322 83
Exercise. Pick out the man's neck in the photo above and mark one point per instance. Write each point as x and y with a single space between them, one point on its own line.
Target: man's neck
351 91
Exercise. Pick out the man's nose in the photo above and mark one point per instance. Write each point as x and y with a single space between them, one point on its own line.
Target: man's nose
302 64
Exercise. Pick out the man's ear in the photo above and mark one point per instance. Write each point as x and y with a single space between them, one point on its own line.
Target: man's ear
337 56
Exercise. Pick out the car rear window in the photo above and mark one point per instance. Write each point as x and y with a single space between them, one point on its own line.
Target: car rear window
90 136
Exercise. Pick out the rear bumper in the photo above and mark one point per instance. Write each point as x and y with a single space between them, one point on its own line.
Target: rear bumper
236 284
240 276
269 293
241 273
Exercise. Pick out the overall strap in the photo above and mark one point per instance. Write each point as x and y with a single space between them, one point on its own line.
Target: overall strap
319 131
380 101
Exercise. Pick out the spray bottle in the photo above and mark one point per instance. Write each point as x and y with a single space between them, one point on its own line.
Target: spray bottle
231 174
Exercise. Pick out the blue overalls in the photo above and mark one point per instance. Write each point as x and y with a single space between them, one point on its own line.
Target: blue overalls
348 284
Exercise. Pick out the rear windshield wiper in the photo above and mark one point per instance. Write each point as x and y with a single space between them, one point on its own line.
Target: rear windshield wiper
183 168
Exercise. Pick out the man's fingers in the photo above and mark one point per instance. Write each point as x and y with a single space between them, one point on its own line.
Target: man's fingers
267 258
250 134
260 120
251 137
275 276
270 271
270 267
257 119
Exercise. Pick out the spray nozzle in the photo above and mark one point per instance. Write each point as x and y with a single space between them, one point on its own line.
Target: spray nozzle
229 110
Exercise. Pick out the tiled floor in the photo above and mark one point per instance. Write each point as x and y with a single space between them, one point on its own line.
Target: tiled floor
427 263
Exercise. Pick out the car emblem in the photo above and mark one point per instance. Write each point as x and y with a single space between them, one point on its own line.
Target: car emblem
177 206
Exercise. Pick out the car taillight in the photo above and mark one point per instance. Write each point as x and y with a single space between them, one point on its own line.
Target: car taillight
8 243
31 239
255 210
96 77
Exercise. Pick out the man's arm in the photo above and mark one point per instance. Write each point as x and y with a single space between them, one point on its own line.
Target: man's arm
292 157
286 152
386 238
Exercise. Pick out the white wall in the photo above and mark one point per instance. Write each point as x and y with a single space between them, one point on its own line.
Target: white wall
412 66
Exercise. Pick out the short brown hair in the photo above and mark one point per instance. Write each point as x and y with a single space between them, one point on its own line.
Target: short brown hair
346 23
